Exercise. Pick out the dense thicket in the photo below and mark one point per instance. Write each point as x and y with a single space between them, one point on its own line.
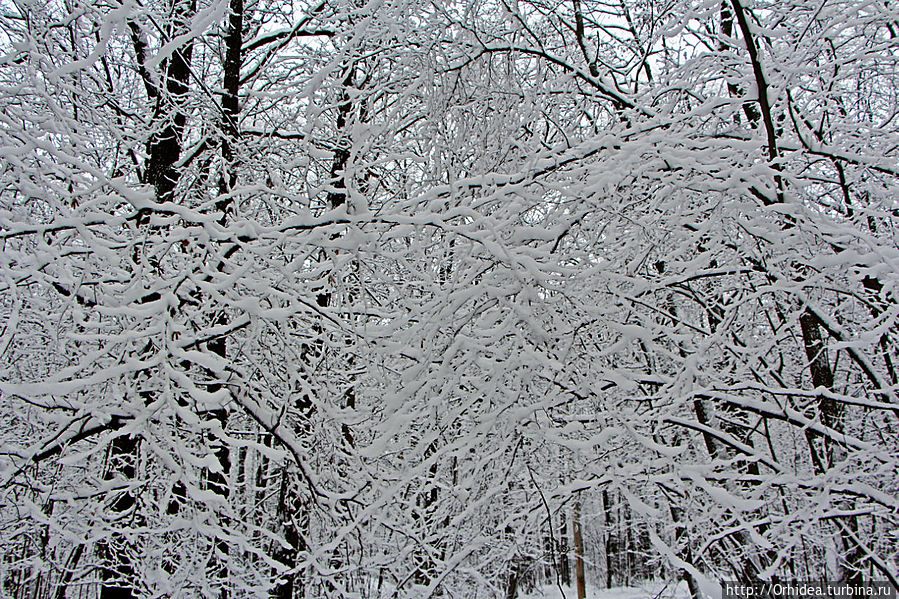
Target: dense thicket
348 299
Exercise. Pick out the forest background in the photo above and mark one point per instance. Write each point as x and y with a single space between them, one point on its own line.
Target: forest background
408 298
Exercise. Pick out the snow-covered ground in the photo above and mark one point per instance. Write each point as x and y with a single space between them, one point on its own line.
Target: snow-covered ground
654 590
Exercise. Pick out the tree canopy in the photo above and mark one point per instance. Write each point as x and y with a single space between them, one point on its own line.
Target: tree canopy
417 299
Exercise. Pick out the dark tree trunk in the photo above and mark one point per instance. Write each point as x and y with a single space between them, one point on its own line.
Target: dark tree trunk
293 513
514 581
164 151
607 513
165 146
217 482
427 503
686 553
230 100
293 517
118 574
580 576
564 566
831 413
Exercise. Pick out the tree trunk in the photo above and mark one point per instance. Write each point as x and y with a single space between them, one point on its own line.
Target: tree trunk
687 554
564 567
607 534
118 575
579 550
217 482
164 150
293 516
831 413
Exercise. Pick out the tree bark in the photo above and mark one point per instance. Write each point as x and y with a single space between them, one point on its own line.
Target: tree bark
118 575
564 566
607 516
831 413
579 550
164 150
217 481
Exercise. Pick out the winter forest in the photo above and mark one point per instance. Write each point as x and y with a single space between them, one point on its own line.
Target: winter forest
452 299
